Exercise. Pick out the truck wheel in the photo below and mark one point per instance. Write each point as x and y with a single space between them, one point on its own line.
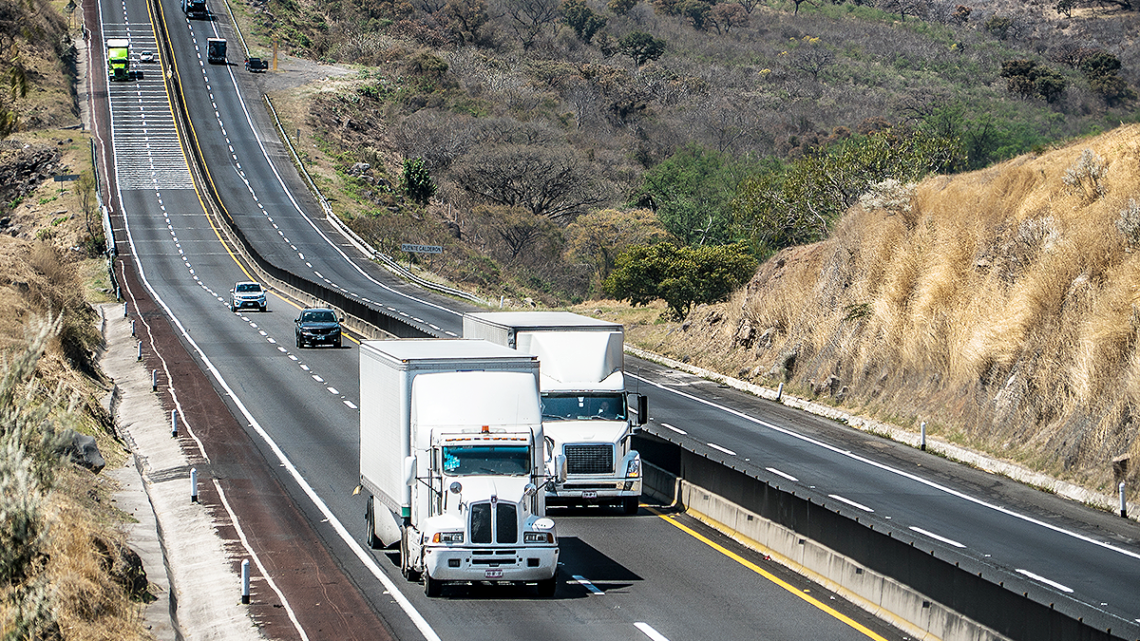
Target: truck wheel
406 561
547 588
373 542
630 504
432 588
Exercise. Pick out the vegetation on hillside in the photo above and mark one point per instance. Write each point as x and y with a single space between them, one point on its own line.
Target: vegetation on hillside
999 306
733 120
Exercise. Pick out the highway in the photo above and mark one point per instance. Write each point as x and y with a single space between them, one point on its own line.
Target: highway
301 406
622 577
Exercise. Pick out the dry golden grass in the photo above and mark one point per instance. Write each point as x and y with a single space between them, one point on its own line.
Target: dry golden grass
1003 309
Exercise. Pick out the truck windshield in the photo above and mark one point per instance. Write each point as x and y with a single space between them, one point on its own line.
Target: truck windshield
606 407
504 460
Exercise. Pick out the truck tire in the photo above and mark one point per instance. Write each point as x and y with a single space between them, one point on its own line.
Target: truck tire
547 588
432 588
630 504
373 542
406 561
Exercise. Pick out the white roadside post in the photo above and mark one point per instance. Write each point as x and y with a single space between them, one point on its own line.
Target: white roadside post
193 485
1123 503
245 582
174 423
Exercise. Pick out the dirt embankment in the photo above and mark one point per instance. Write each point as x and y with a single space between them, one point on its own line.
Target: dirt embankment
1000 307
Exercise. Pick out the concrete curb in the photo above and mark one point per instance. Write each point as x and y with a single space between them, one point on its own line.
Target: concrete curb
203 597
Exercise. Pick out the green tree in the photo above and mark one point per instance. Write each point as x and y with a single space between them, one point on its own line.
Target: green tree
597 238
1029 79
777 209
642 47
582 19
691 192
621 7
418 184
681 276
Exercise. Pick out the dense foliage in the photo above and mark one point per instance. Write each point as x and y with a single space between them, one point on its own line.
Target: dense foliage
730 121
682 276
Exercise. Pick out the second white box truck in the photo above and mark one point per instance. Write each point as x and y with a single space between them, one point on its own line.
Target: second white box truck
585 406
452 456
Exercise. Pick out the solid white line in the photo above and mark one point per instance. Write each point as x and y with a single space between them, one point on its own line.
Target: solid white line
1038 577
892 470
675 429
937 538
723 449
650 632
583 581
783 474
851 503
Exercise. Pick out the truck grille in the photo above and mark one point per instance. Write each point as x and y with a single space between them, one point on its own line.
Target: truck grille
506 521
589 459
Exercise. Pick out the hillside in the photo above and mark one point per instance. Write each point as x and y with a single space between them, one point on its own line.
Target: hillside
526 120
999 306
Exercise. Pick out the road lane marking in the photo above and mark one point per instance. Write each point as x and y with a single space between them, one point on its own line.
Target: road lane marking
1037 577
583 581
851 503
887 468
723 449
334 391
937 538
769 576
783 474
675 429
650 632
350 405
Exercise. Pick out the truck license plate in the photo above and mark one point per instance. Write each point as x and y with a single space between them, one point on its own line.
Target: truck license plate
493 574
589 494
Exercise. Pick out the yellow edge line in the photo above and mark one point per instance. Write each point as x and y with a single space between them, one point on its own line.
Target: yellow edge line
768 575
177 77
205 170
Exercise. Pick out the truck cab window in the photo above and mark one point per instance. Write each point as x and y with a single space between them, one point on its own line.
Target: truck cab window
468 460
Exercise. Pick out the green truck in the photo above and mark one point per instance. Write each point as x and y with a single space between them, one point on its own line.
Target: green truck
119 59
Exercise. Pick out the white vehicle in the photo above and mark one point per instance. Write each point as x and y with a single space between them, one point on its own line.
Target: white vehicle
247 294
452 454
585 406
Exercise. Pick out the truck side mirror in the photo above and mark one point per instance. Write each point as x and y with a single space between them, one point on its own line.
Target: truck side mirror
410 471
642 409
560 468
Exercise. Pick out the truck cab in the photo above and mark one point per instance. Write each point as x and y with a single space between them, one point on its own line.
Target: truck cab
453 455
119 59
586 410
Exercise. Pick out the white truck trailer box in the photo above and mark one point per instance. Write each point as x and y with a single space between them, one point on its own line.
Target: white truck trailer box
452 455
585 405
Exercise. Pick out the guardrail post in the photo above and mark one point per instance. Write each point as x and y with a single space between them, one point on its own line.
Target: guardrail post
245 582
779 392
154 380
125 306
923 429
138 356
193 485
174 423
1123 503
133 329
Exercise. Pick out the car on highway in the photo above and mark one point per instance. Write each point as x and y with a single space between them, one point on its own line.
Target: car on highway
316 325
247 294
146 56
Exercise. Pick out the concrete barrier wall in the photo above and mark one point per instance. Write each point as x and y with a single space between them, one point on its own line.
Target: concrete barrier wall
927 596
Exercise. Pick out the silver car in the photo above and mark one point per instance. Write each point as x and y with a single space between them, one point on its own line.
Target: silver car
247 294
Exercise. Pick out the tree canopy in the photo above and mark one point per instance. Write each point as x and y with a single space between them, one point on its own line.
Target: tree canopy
682 276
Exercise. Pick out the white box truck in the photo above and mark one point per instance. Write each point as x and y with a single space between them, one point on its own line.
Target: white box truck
452 456
585 405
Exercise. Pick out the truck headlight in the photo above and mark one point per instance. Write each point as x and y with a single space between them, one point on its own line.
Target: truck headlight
447 537
538 537
633 468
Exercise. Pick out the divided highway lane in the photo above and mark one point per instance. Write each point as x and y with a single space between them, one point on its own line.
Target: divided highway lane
966 515
262 192
622 576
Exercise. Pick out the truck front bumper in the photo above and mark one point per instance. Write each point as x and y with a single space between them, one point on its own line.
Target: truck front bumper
582 489
521 563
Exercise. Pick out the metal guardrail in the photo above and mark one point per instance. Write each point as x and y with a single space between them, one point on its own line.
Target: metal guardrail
111 250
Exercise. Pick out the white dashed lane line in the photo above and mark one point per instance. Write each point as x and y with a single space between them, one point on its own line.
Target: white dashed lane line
937 537
783 474
851 503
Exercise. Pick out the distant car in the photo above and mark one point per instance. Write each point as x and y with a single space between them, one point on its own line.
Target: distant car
317 325
146 56
247 294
